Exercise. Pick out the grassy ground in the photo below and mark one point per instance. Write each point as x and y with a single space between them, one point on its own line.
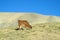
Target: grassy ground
44 31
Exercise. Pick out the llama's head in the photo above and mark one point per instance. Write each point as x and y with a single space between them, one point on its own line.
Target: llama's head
30 26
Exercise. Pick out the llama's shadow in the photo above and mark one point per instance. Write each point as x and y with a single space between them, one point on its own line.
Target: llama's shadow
22 29
19 29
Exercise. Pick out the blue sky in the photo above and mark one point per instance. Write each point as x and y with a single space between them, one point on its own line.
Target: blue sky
47 7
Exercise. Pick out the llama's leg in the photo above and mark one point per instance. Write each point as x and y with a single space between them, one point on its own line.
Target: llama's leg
18 27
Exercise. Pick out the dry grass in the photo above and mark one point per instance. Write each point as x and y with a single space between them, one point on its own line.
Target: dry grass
45 31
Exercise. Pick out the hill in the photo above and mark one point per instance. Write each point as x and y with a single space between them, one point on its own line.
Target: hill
8 19
44 27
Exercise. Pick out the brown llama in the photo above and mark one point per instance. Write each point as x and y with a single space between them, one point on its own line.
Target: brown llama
25 23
